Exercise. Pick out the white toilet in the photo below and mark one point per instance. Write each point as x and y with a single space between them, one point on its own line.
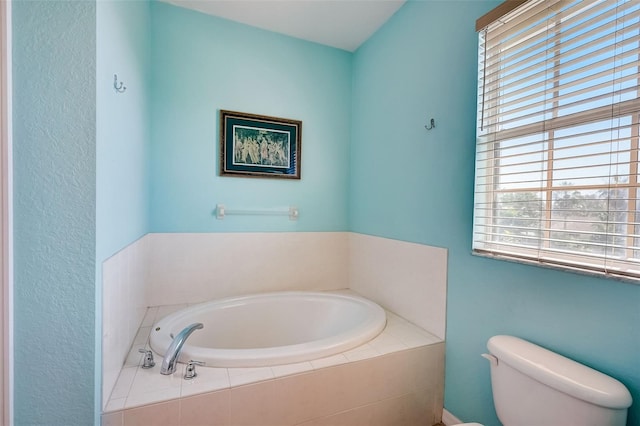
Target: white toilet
533 386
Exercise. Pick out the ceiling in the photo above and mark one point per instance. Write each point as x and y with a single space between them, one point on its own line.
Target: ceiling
344 24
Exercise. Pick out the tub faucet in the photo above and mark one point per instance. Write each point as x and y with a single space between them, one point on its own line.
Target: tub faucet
173 352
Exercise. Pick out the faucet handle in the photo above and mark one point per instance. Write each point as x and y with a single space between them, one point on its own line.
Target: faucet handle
190 372
148 358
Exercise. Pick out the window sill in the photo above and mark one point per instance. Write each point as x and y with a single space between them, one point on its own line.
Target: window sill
557 267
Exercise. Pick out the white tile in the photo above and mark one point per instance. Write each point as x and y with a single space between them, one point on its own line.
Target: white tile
346 291
110 362
289 369
134 358
384 338
208 379
386 343
109 380
412 336
147 380
281 259
123 385
243 376
165 310
122 313
138 386
408 278
393 319
142 337
115 404
365 351
152 396
329 361
150 317
405 277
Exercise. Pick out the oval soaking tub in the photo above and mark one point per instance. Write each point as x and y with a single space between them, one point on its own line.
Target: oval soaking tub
271 328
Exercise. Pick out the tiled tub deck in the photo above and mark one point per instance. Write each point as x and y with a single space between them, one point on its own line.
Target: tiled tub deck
395 379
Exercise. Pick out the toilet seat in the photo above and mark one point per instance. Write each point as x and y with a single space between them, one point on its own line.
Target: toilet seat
467 424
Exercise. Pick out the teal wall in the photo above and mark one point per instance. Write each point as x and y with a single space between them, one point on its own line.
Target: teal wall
422 64
123 31
202 64
54 148
123 126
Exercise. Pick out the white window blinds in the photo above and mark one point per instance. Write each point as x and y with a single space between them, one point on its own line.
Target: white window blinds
557 147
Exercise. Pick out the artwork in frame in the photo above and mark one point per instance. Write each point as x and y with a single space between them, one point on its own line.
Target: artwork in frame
254 145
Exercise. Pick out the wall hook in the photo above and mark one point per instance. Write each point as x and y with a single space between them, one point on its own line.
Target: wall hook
120 88
433 125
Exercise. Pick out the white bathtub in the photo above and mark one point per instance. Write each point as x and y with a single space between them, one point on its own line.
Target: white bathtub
271 328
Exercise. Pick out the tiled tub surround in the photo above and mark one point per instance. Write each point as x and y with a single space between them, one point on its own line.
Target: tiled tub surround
124 304
165 269
396 378
406 278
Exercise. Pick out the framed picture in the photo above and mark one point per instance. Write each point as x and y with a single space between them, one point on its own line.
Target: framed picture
259 146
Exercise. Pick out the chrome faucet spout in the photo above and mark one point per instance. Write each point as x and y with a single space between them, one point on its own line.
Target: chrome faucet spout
173 352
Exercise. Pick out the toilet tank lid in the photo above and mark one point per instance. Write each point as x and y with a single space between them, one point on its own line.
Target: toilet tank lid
559 372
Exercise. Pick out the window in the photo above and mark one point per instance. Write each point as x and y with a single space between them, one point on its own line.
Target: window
557 179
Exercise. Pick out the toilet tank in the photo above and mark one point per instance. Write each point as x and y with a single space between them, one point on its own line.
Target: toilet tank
533 386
